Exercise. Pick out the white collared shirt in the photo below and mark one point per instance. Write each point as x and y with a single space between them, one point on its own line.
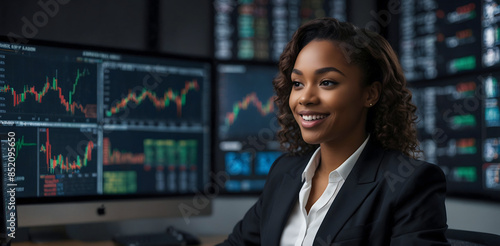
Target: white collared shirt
302 227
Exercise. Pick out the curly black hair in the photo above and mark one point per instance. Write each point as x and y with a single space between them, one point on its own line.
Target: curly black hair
391 121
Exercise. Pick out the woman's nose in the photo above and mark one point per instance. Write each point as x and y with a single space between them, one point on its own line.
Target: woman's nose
308 96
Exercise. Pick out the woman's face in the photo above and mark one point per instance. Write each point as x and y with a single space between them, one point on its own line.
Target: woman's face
328 100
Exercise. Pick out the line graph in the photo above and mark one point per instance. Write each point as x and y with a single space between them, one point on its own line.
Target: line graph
26 153
20 144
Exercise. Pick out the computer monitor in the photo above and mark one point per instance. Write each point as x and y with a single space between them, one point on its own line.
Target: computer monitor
105 134
246 124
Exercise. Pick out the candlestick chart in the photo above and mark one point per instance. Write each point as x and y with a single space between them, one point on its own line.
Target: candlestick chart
55 91
70 155
173 99
246 102
67 161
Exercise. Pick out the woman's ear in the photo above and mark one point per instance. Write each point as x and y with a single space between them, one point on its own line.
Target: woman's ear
373 93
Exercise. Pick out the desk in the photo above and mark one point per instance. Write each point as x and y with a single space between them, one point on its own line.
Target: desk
205 241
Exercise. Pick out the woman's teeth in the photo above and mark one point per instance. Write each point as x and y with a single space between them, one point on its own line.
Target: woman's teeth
313 117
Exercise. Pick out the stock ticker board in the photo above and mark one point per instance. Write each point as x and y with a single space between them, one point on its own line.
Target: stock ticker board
449 51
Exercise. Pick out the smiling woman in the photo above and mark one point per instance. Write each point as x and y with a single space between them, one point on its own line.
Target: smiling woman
328 99
348 128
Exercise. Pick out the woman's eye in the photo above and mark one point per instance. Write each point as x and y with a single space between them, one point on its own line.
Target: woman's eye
296 84
328 83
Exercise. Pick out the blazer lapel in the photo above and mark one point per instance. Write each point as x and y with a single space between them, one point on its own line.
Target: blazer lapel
356 188
285 199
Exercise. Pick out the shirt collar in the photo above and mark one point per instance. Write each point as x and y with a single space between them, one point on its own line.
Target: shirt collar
343 170
311 166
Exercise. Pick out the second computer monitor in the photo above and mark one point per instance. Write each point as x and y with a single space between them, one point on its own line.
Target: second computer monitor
246 119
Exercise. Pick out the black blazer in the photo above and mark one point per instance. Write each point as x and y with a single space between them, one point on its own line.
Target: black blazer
387 199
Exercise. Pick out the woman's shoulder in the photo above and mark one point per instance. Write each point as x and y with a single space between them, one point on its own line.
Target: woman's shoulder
396 160
399 169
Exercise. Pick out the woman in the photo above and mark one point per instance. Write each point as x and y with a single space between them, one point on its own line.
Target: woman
349 177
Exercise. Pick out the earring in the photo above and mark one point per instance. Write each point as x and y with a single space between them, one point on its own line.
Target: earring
371 104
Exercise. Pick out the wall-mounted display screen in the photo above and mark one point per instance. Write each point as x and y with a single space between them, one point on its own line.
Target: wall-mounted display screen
246 120
258 30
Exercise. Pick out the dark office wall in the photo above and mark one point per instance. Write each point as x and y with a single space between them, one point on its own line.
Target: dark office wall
183 25
112 23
